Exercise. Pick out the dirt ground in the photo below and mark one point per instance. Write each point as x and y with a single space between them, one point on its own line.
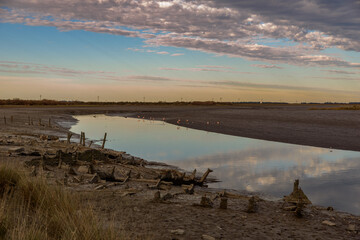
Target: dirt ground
130 205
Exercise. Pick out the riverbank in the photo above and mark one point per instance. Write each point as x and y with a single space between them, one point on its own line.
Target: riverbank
132 205
296 124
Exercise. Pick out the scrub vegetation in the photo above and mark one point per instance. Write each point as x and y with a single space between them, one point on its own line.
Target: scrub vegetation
32 209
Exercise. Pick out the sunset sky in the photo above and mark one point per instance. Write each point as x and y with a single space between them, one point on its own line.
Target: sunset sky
128 50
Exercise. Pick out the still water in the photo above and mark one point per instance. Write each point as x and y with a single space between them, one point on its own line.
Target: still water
328 177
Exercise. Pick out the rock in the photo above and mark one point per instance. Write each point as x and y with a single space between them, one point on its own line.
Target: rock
330 209
327 222
17 149
177 231
351 227
207 237
83 169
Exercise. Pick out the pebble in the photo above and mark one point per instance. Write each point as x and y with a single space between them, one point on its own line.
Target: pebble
326 222
177 231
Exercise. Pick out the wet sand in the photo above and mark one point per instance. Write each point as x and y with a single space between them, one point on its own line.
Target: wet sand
137 216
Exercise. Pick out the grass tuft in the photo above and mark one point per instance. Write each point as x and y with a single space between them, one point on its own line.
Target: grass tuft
32 209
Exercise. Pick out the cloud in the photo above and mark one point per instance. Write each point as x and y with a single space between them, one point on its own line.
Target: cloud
150 78
31 68
276 86
250 51
216 66
338 71
222 27
162 53
209 69
176 54
266 66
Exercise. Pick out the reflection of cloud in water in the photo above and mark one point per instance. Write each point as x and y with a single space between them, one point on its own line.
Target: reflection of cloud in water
327 178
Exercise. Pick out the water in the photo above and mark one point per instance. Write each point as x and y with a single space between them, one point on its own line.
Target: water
328 177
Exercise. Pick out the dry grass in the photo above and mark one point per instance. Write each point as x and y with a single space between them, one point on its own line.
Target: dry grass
32 209
353 107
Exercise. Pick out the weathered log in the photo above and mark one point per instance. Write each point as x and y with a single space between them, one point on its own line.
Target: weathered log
188 189
192 176
203 178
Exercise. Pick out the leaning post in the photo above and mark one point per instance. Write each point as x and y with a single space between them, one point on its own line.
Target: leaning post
104 140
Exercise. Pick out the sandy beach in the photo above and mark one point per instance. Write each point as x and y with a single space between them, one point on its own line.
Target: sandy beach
131 204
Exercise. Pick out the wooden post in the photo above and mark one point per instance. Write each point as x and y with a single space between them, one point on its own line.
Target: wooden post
32 122
104 140
39 121
49 122
69 135
5 120
192 176
223 203
60 160
91 142
83 139
81 135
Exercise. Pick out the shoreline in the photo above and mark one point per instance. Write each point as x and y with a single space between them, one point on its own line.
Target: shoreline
288 124
269 212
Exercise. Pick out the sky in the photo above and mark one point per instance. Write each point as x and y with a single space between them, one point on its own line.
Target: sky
199 50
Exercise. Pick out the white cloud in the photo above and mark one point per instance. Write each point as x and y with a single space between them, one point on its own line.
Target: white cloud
225 27
177 54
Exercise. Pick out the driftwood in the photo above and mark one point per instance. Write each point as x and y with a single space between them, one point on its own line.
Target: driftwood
178 178
188 189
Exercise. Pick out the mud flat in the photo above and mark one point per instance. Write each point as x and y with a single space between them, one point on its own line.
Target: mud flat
146 200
